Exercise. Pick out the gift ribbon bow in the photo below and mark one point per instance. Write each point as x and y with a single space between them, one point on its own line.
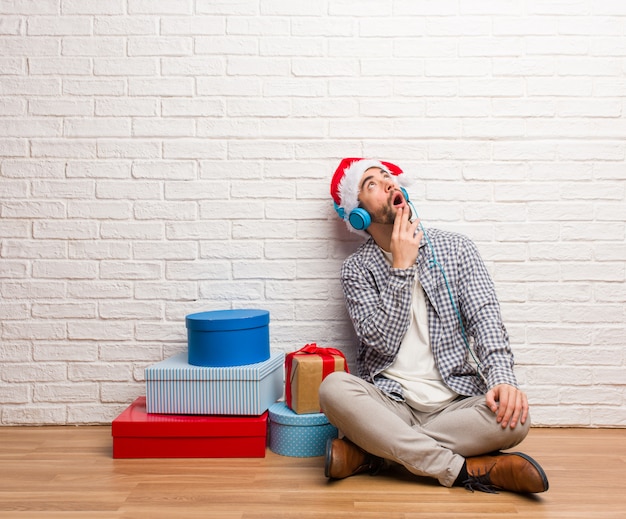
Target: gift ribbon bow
328 363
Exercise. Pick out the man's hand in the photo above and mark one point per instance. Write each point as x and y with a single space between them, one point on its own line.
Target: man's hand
509 404
404 240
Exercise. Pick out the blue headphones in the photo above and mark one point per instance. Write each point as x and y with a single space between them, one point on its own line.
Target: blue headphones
360 219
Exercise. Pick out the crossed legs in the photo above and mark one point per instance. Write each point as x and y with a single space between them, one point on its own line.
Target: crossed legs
427 444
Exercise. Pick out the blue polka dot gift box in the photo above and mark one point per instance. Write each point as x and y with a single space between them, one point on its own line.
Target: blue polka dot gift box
298 435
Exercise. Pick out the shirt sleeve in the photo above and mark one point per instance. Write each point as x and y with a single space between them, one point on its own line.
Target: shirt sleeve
379 304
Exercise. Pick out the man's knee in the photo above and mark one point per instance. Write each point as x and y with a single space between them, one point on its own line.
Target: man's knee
332 386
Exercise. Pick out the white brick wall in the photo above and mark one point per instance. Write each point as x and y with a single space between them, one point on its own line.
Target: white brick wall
162 157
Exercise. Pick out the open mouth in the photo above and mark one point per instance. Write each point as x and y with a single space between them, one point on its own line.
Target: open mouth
397 199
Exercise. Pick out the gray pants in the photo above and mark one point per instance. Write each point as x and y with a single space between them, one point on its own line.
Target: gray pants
433 444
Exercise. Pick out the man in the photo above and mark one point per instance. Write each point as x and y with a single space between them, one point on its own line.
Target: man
435 390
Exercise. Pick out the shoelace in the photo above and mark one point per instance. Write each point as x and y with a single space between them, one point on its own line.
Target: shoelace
480 482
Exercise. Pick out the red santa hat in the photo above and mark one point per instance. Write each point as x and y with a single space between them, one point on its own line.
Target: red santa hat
344 186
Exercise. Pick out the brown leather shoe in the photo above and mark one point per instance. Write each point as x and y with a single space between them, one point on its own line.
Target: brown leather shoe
513 471
345 459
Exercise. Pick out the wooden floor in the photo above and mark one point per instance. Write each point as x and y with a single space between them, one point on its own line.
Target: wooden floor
68 472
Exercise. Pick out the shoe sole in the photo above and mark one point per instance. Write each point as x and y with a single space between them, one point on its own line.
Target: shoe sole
329 449
543 475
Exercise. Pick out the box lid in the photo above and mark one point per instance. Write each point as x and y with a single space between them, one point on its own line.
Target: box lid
178 368
135 421
226 320
280 413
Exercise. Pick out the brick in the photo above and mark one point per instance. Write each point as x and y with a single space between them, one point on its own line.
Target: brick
136 310
62 189
90 46
31 46
195 190
59 66
134 149
11 25
94 87
278 26
34 414
160 7
33 127
194 149
132 230
99 250
14 311
99 210
32 289
198 107
63 148
160 87
178 250
232 290
226 46
91 169
198 270
167 291
33 330
240 8
125 67
93 371
244 66
97 127
125 25
54 269
14 394
128 190
193 25
33 249
59 393
196 67
99 330
99 289
129 107
170 170
201 230
11 106
125 270
152 127
58 26
64 310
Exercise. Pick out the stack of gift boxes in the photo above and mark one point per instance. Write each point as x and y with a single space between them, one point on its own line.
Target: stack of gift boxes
217 399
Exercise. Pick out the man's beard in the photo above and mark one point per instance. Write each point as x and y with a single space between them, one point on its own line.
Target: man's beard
386 214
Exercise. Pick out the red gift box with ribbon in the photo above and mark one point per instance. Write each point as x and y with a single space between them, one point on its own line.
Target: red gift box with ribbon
305 370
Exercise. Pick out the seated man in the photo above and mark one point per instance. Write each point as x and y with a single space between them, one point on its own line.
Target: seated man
435 390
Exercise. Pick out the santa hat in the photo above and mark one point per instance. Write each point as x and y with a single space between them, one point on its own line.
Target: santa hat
344 186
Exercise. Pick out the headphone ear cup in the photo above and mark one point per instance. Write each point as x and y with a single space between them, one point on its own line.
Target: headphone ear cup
360 219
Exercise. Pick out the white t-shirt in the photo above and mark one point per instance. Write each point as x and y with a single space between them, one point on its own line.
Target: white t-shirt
414 368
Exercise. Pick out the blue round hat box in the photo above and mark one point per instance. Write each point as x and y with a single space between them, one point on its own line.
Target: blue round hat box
298 435
223 338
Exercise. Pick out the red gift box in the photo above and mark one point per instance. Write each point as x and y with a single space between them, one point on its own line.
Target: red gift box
305 369
137 434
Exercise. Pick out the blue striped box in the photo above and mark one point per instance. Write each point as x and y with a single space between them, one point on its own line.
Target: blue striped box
174 386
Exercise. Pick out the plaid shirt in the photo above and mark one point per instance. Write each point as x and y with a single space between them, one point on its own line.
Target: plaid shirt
378 299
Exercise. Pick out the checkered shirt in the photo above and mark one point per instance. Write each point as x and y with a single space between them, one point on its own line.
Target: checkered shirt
378 299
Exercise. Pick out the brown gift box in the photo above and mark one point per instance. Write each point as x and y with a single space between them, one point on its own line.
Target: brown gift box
306 368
